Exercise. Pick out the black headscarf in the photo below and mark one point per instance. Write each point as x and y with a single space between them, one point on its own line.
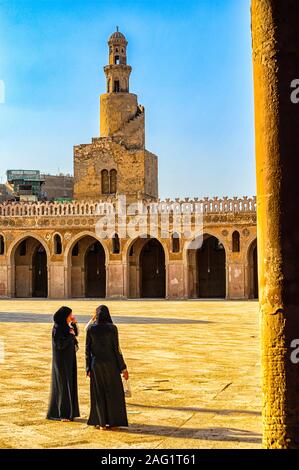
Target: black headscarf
61 329
61 315
103 315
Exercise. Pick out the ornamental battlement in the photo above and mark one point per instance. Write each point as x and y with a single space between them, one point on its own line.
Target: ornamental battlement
111 206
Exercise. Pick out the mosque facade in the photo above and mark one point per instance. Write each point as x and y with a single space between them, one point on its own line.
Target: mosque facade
116 238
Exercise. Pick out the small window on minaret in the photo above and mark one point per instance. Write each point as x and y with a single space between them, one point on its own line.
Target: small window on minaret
116 86
113 181
116 59
105 182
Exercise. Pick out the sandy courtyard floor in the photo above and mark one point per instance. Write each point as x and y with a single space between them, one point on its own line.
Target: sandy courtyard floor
194 365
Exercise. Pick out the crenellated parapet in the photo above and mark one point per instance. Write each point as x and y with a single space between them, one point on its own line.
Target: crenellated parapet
210 205
111 205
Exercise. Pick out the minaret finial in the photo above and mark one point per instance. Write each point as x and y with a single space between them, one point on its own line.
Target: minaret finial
117 28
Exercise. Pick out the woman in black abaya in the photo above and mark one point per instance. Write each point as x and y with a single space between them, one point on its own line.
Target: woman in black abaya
64 392
104 366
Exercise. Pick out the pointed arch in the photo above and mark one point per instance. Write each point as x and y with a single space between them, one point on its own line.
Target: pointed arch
29 257
252 263
95 271
207 270
86 258
152 270
147 264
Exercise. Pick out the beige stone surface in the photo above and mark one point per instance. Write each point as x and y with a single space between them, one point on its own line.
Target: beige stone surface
115 110
195 375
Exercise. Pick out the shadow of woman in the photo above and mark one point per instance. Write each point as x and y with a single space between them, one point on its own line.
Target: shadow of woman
80 420
208 434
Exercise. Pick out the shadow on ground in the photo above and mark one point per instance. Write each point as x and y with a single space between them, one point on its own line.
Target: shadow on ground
205 434
15 317
199 410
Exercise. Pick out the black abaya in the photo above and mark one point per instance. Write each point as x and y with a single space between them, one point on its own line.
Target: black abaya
64 391
105 363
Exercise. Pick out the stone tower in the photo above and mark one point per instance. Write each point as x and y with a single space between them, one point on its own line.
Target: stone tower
117 163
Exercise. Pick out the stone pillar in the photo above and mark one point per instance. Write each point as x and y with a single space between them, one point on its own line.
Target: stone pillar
192 275
236 276
175 280
67 280
11 274
115 280
56 276
275 34
4 270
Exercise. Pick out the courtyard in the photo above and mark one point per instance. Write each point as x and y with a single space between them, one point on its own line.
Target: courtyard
194 370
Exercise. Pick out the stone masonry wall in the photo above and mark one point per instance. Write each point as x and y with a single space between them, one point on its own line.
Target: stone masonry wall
104 153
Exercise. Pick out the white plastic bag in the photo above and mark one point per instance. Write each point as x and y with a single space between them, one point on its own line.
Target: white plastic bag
127 387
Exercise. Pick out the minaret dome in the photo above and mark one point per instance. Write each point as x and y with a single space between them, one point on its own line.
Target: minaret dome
117 71
117 48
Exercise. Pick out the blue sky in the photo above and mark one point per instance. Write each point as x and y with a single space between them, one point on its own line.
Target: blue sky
191 70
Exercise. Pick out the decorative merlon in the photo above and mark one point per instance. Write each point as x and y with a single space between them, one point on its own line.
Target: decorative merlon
91 208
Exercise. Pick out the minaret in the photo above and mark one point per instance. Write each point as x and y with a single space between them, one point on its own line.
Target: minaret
117 72
117 162
117 105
